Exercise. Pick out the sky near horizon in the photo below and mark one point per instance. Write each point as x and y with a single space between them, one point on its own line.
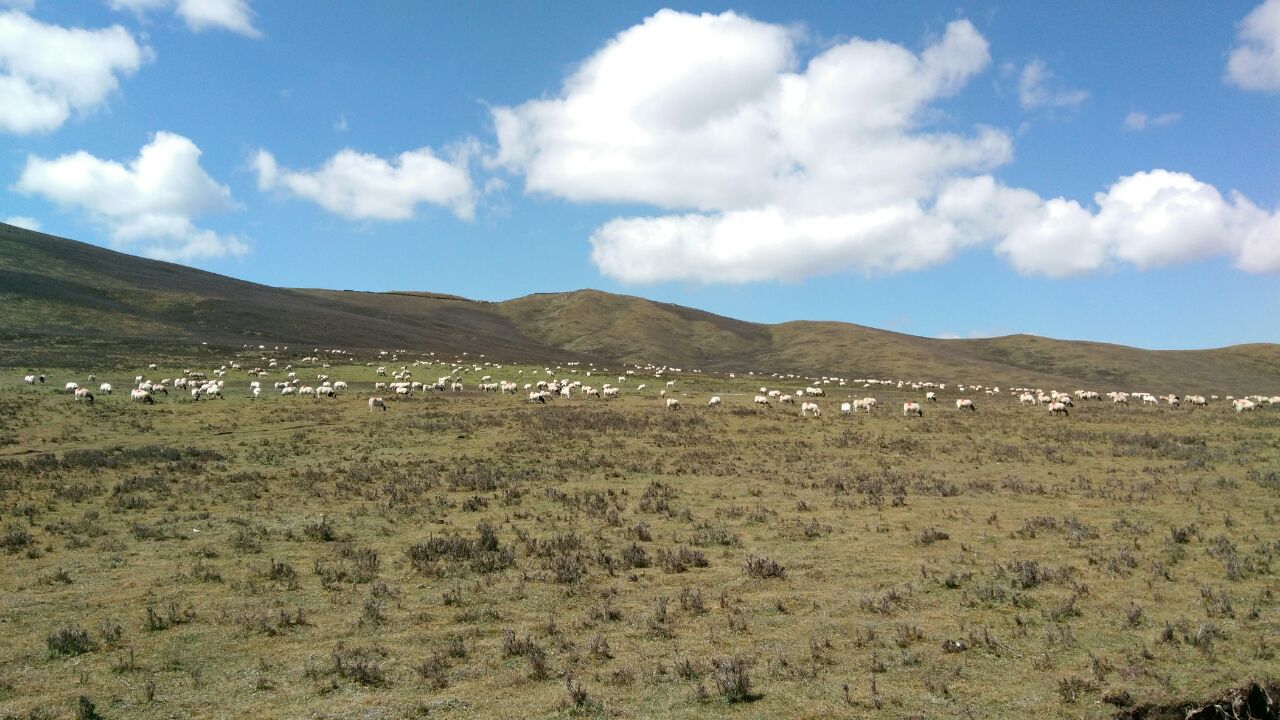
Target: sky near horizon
1095 170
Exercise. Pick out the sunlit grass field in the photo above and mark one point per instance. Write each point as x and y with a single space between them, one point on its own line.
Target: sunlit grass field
475 555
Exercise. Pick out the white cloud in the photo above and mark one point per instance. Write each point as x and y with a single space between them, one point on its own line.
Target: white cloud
1035 88
1145 220
23 221
367 187
793 172
1255 62
47 71
1141 121
199 15
763 168
146 205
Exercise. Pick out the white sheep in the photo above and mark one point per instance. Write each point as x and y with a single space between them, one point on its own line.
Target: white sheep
931 396
141 396
846 408
806 408
84 394
966 404
911 408
105 388
762 400
714 401
29 379
1058 408
377 403
673 404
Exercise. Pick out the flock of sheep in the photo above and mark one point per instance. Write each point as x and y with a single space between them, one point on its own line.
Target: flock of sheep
402 385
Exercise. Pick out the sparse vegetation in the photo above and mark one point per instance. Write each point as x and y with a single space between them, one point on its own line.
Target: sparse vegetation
469 555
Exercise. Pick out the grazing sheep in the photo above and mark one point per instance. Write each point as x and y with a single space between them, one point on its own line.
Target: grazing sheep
29 379
612 392
1058 408
1026 399
377 403
787 400
71 387
673 404
84 394
141 396
931 396
846 409
866 403
762 400
257 392
1243 405
640 387
538 397
714 401
105 388
966 404
806 408
910 408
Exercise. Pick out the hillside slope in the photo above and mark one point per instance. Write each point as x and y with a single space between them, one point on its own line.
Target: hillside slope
56 288
57 293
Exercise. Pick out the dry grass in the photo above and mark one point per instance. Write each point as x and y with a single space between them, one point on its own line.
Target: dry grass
475 556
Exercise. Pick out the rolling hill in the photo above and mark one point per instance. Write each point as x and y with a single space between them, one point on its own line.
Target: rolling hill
61 300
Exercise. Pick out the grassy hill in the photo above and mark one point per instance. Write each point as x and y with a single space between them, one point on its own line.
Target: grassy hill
63 298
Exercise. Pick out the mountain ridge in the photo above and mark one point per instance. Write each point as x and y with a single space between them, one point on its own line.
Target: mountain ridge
55 287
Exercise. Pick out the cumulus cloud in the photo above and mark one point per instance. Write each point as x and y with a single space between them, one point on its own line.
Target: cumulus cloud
1141 121
766 168
1254 64
23 221
1038 88
366 187
233 15
47 71
146 205
1145 220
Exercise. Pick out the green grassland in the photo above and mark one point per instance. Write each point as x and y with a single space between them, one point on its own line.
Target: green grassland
475 555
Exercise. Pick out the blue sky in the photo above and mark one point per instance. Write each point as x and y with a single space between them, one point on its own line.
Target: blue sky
1069 171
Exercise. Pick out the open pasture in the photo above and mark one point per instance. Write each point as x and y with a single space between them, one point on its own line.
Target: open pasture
477 555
